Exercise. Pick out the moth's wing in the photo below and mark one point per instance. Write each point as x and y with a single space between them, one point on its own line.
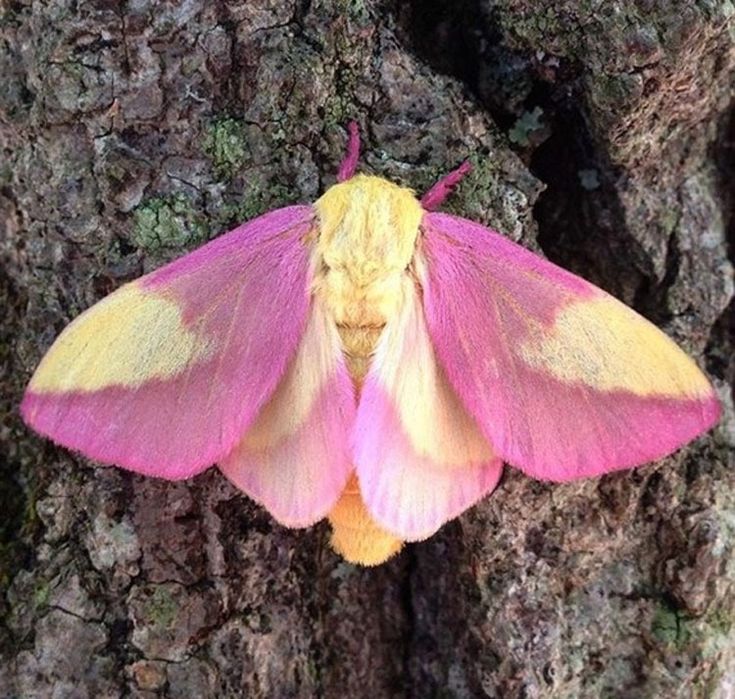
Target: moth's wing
165 374
295 459
421 459
564 380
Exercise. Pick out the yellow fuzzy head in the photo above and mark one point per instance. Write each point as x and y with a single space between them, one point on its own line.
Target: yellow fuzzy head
367 236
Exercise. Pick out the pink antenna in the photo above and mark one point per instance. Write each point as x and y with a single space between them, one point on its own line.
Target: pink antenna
443 188
349 164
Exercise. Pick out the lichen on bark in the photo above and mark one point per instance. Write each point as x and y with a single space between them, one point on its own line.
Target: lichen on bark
602 134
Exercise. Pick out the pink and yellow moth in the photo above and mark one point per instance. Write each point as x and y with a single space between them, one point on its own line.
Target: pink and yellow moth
369 360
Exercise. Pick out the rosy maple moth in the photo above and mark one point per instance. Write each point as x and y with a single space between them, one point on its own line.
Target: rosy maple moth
369 360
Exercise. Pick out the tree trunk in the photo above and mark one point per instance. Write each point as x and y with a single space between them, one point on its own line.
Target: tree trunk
602 134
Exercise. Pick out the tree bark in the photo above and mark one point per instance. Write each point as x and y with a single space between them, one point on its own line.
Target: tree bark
602 134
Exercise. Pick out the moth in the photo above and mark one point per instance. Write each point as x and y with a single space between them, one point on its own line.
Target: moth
369 360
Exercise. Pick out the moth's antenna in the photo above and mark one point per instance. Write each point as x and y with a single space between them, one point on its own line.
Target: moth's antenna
349 164
443 188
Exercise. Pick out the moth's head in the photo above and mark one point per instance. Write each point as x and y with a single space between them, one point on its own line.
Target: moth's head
367 235
368 222
368 228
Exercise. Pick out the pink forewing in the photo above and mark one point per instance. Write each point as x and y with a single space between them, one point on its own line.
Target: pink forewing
246 295
485 298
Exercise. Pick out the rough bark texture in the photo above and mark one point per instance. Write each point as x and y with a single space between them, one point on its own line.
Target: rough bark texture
603 134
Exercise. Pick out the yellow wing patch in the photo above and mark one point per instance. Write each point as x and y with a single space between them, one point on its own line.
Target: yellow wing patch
128 338
605 345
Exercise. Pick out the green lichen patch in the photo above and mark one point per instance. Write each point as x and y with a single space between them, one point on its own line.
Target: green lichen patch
160 607
168 222
225 142
528 128
669 627
41 594
356 10
717 632
668 220
481 184
711 634
339 109
255 201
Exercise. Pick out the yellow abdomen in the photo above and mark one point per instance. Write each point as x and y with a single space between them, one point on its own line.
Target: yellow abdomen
355 536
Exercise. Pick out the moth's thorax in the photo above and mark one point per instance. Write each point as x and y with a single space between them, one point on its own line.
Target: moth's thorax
367 234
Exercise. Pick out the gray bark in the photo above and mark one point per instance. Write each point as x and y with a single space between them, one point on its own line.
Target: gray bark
603 135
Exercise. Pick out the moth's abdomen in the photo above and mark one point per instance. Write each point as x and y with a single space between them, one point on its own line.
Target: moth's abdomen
355 536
